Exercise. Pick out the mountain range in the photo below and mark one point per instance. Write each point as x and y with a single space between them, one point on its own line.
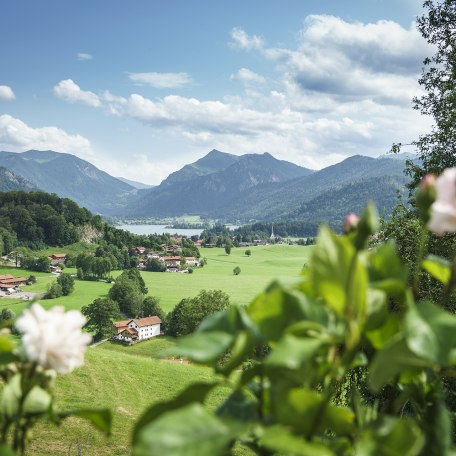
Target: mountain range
219 186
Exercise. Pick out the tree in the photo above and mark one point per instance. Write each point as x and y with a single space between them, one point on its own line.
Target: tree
151 307
227 249
128 291
437 149
66 281
190 312
155 265
54 291
100 315
237 270
248 252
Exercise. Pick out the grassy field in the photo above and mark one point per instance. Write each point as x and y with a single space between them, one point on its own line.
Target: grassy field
265 264
125 379
128 379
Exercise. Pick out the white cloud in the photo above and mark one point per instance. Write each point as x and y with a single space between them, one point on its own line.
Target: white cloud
69 91
243 41
248 76
17 136
162 80
84 56
6 93
343 89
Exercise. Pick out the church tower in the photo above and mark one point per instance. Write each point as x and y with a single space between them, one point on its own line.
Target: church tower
272 232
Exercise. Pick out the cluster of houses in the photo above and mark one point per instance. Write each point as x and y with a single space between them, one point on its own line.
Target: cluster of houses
10 284
169 257
137 329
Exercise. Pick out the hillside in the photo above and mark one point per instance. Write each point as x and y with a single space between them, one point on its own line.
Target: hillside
10 182
274 201
206 194
69 176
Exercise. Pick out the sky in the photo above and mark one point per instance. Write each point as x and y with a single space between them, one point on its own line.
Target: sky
140 88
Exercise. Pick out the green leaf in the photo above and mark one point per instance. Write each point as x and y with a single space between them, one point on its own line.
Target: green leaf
37 401
240 351
430 331
292 353
380 337
195 392
278 308
101 419
392 360
239 407
10 397
6 350
439 268
203 347
367 226
5 450
391 437
278 438
299 408
230 321
437 425
377 309
386 270
190 430
330 265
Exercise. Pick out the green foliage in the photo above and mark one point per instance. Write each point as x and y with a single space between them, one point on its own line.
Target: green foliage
436 150
41 264
155 265
151 307
237 270
189 313
228 249
128 291
100 315
248 252
66 281
55 291
320 330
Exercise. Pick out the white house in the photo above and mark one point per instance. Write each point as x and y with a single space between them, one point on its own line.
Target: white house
192 261
137 329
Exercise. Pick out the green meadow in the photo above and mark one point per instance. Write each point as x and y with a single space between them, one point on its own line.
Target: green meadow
125 379
265 264
129 379
257 271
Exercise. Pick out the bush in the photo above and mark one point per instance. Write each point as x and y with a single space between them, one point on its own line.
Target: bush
248 252
237 270
55 291
66 281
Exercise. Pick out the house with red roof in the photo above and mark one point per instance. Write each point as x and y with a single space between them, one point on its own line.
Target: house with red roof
137 329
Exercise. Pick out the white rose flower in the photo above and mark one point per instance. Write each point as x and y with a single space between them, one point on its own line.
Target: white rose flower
53 339
443 210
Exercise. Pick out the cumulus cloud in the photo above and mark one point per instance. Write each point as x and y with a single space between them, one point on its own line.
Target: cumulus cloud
84 56
248 76
68 90
17 136
344 88
242 40
354 60
162 80
6 93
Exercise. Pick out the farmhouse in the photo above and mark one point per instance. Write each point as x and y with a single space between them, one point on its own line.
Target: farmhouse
192 261
57 258
9 282
137 329
171 261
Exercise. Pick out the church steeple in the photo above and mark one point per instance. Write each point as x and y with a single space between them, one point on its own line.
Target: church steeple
272 232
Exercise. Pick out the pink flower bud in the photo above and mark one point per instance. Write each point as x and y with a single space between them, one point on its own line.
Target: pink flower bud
350 222
428 180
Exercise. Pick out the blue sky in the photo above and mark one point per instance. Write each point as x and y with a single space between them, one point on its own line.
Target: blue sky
140 88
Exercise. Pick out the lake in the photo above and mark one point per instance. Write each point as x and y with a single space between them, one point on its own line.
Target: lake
158 229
